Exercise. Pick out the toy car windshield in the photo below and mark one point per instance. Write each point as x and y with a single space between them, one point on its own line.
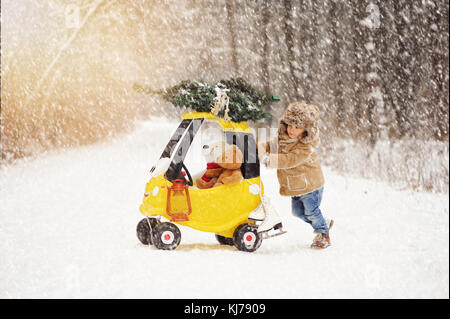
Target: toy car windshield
180 142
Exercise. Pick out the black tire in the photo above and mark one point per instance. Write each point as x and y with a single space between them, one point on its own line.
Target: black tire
225 240
246 238
143 230
166 236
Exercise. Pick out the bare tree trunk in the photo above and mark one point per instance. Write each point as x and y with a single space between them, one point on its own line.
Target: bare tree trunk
313 62
229 8
304 37
265 61
291 56
402 71
359 132
266 50
374 99
440 71
336 13
388 52
345 65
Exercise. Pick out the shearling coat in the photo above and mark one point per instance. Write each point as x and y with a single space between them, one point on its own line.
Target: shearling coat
298 169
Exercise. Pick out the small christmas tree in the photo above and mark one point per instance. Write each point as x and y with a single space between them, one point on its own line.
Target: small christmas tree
232 99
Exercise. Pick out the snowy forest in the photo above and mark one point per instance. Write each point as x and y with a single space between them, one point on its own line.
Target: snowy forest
81 130
378 70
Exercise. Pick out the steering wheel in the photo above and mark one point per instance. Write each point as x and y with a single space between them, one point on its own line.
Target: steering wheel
190 182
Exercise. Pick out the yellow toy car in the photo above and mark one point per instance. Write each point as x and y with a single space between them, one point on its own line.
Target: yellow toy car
223 210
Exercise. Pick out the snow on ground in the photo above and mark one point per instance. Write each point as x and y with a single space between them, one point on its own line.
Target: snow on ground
67 230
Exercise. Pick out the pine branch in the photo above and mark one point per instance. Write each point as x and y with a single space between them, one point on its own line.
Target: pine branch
246 103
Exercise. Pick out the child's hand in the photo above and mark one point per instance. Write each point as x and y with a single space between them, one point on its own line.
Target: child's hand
272 161
269 160
262 148
261 153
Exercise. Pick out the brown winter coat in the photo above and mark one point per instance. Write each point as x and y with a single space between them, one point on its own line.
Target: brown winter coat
298 169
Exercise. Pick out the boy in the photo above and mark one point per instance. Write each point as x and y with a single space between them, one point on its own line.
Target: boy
298 170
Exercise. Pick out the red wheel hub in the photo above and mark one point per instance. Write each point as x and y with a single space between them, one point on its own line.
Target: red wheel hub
167 237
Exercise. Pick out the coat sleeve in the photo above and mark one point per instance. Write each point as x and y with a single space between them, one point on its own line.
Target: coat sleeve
290 160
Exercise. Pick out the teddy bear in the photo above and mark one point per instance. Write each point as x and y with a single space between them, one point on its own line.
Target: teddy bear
213 170
224 161
231 160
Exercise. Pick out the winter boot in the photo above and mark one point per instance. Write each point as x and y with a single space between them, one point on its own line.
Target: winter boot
323 240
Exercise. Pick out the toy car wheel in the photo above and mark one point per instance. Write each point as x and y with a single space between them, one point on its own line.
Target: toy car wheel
143 230
166 236
225 240
246 238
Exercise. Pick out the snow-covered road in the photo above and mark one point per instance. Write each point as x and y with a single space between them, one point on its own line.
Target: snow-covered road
67 229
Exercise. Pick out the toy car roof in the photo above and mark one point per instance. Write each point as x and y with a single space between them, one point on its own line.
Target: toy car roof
227 126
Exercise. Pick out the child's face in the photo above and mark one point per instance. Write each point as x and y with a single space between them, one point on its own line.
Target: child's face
295 132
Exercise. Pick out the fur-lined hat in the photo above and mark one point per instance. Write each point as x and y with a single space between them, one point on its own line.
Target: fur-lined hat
304 115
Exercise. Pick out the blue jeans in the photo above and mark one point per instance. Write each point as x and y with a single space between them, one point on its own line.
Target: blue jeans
307 208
